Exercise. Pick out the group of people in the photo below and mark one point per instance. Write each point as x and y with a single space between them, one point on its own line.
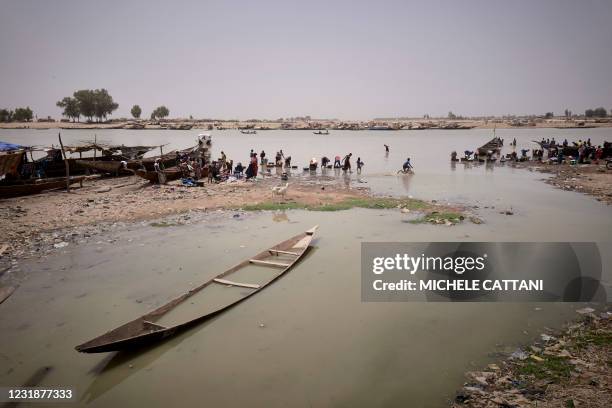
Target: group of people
223 168
580 151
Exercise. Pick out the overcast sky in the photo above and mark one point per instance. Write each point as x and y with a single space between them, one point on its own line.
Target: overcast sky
342 59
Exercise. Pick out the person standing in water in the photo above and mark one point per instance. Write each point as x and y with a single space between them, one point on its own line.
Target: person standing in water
386 148
347 162
359 165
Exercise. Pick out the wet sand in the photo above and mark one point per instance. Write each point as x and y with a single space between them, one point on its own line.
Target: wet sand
592 179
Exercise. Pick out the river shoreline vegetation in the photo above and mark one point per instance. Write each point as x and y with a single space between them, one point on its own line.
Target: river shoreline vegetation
96 105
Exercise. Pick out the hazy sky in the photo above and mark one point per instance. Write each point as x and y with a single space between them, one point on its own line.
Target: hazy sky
343 59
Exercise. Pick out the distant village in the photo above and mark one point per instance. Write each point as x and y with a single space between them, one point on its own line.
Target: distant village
307 123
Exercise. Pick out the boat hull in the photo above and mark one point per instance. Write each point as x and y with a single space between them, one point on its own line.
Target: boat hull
143 330
29 188
172 173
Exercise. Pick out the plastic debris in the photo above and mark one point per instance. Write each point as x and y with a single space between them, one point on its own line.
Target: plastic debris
519 355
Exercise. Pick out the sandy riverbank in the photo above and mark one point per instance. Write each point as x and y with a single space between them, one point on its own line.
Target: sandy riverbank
407 124
37 225
592 179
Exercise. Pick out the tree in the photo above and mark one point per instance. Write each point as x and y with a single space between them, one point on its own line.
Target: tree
598 113
549 115
23 114
136 111
451 115
98 103
71 108
86 104
160 112
103 104
6 115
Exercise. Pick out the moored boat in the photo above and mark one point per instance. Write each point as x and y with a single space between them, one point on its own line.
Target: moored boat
169 174
111 166
35 186
494 146
147 328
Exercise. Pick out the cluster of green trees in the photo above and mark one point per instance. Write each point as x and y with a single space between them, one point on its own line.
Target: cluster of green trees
136 111
160 112
596 113
18 115
90 103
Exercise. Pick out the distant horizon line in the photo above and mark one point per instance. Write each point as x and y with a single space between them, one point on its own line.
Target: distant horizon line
312 119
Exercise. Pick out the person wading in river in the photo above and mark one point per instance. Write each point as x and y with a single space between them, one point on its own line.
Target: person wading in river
347 162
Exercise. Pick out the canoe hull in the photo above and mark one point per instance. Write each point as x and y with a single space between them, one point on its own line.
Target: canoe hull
26 188
153 177
144 330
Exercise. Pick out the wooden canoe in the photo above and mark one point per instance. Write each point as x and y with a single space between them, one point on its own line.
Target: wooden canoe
109 166
172 173
36 186
494 145
145 329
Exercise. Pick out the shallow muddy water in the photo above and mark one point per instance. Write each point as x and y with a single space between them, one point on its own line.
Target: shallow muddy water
320 345
307 339
429 149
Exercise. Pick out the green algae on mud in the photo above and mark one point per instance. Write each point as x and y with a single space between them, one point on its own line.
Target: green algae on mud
379 203
435 217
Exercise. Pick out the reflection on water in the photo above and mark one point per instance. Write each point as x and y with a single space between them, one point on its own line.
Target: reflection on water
280 216
405 178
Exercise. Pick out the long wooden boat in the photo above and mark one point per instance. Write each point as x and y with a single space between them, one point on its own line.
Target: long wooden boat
109 166
172 173
146 328
494 145
27 187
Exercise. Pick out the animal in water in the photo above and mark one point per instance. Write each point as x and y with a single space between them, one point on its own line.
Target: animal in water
280 190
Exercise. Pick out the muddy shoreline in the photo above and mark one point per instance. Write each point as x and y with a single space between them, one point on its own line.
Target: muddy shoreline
591 179
36 226
565 368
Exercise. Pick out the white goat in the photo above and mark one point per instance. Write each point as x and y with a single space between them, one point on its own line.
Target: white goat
280 190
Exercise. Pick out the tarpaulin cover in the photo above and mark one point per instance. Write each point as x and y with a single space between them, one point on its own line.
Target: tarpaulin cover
7 147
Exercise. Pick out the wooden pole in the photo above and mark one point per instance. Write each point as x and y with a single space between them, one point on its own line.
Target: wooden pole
95 146
59 135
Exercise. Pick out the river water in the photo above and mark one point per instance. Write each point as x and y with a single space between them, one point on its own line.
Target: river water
308 339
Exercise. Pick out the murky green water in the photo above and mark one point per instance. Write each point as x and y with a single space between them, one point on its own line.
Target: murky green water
319 344
306 340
